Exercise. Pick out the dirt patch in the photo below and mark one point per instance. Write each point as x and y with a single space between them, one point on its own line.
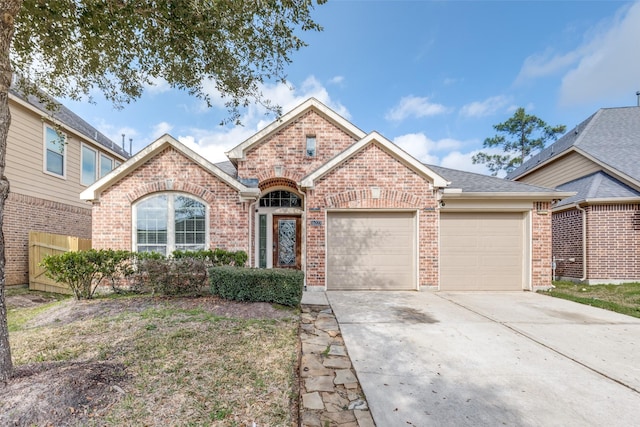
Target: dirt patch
28 300
60 394
73 311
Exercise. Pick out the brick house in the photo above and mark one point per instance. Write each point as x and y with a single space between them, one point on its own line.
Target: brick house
352 210
596 232
50 159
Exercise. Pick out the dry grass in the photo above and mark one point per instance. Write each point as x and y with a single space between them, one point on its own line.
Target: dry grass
185 363
624 298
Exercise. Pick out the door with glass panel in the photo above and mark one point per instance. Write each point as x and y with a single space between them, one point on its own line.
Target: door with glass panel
286 242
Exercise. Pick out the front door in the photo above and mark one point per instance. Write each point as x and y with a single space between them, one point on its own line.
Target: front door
286 242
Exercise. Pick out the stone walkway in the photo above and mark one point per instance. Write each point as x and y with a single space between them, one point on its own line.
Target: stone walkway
329 389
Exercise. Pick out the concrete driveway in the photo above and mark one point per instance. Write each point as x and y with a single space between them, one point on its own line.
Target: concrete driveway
452 359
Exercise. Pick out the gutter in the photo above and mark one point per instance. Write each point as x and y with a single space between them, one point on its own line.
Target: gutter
546 195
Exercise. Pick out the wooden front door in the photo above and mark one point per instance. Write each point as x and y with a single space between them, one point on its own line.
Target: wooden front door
287 249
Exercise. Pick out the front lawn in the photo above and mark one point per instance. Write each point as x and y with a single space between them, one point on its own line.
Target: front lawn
624 299
151 361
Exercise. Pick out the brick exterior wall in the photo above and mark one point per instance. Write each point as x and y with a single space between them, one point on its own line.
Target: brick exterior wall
613 242
170 171
287 149
541 245
25 213
567 243
349 186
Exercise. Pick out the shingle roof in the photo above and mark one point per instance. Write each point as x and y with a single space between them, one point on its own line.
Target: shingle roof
598 185
471 182
72 120
611 136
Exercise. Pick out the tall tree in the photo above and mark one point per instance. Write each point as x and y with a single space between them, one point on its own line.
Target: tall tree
68 48
520 136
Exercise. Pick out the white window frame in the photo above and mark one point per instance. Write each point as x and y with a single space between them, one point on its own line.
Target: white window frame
45 128
171 231
313 152
95 157
104 156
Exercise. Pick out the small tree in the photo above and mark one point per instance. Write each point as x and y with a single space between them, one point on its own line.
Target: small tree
520 136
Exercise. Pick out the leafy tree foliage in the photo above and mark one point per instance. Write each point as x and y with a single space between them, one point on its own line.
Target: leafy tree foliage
520 136
68 48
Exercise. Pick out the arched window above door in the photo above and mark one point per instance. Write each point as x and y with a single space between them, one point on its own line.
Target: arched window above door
280 199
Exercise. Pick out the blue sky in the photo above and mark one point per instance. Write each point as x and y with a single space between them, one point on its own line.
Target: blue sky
432 76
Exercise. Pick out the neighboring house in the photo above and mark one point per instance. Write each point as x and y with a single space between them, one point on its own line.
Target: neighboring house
596 232
352 210
50 159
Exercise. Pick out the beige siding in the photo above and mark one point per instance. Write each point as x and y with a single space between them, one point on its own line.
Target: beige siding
25 167
482 251
371 250
567 168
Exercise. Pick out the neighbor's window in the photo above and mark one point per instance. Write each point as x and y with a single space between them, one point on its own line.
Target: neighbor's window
55 150
169 222
106 165
89 165
311 145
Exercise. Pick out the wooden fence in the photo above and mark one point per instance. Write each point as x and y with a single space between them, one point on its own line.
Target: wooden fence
43 244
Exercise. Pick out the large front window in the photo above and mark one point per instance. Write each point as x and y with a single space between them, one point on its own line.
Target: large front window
169 222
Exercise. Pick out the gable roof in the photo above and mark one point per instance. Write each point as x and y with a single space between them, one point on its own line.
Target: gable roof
610 137
388 146
597 187
70 120
238 152
93 192
472 184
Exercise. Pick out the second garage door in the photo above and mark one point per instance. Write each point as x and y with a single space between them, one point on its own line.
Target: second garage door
371 250
482 251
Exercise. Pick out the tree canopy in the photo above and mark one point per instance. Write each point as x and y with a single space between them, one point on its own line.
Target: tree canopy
520 136
70 48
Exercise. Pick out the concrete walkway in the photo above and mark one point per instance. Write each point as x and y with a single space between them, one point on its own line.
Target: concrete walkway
452 359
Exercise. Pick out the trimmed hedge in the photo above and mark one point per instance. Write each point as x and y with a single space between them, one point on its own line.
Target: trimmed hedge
281 286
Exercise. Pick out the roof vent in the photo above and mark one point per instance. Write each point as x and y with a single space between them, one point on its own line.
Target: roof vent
638 95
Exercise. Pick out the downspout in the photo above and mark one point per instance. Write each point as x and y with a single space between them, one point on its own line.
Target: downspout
584 242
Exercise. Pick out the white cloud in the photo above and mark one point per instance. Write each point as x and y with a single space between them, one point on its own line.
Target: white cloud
611 65
414 106
161 129
462 161
419 146
157 85
213 142
605 65
484 108
337 80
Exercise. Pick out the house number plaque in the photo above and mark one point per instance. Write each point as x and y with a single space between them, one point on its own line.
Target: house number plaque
316 223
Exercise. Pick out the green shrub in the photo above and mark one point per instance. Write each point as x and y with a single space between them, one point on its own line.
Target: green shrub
170 276
281 286
216 257
83 271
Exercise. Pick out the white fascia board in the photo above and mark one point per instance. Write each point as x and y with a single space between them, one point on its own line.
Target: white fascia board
93 192
238 152
510 195
67 128
394 150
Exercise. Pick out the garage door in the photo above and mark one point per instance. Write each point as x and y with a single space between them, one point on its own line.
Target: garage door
371 250
482 251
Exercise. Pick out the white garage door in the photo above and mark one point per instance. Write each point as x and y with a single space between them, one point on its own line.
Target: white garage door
482 251
371 250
